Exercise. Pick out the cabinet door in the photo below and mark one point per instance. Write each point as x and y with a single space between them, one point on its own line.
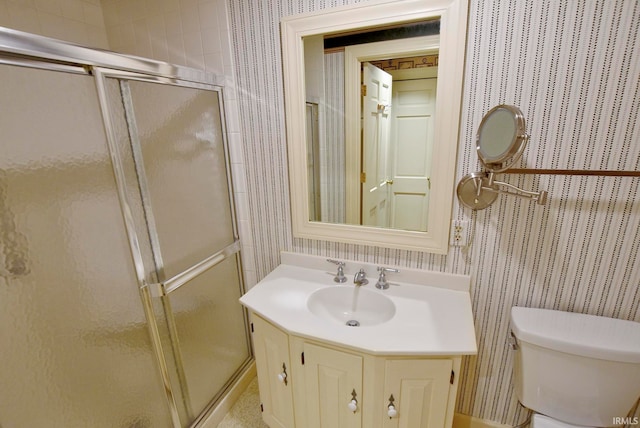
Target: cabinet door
420 390
271 346
332 377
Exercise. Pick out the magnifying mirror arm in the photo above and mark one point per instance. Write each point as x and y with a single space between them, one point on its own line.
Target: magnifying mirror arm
539 197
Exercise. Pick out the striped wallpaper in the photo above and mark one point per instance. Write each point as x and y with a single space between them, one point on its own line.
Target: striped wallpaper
572 67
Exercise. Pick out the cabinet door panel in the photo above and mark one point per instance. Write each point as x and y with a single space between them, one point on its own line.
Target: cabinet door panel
331 376
272 351
420 389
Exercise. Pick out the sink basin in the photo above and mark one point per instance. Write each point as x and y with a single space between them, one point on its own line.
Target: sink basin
352 306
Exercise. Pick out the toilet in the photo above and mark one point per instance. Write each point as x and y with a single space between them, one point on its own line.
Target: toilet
575 369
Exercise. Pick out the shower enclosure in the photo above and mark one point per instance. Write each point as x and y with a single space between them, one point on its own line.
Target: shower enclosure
119 255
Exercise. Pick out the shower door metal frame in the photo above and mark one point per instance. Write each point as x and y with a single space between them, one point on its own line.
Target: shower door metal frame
164 286
28 50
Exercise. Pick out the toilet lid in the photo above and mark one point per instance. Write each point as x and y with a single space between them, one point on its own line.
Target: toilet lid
578 334
541 421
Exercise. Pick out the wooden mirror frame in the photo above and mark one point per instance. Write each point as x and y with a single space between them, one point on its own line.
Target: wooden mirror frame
453 32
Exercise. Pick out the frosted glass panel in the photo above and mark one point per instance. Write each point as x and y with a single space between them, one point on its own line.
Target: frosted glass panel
180 135
211 331
176 137
75 346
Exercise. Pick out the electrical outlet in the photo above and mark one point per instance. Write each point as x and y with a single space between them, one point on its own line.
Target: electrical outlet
459 233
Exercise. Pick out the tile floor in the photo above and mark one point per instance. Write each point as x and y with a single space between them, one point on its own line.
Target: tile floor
246 412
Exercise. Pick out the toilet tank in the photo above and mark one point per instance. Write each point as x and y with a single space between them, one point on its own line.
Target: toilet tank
577 368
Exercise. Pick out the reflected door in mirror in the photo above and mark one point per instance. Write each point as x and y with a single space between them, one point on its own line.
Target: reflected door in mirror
413 120
376 109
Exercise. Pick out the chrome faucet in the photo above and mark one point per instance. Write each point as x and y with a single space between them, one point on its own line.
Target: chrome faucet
360 278
382 283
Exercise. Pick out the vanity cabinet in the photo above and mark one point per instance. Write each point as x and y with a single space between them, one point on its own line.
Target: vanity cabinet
326 386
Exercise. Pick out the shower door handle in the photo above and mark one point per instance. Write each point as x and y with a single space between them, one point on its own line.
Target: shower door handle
160 289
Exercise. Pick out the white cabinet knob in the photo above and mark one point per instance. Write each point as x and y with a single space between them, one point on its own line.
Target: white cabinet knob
353 405
392 412
391 408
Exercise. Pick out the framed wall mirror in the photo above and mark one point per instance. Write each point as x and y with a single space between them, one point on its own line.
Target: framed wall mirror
374 166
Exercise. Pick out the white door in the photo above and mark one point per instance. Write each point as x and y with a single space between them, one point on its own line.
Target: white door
376 118
414 106
419 391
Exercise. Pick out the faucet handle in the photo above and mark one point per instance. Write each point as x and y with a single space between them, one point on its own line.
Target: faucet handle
340 274
382 283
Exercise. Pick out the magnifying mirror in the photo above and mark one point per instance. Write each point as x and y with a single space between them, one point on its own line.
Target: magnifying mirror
501 138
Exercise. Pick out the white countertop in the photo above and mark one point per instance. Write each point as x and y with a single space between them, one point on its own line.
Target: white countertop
432 317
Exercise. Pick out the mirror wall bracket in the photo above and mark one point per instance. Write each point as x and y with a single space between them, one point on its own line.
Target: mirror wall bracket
478 190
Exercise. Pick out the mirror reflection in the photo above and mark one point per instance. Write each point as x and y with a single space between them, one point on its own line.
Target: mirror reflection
497 135
370 114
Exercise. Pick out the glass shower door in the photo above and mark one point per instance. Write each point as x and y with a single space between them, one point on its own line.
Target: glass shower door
176 140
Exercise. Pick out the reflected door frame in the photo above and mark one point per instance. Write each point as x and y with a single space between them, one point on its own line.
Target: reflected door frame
354 56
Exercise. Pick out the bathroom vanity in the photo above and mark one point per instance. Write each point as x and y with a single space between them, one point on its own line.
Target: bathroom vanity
334 354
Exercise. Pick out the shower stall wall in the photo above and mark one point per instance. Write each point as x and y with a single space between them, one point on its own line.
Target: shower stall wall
119 256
